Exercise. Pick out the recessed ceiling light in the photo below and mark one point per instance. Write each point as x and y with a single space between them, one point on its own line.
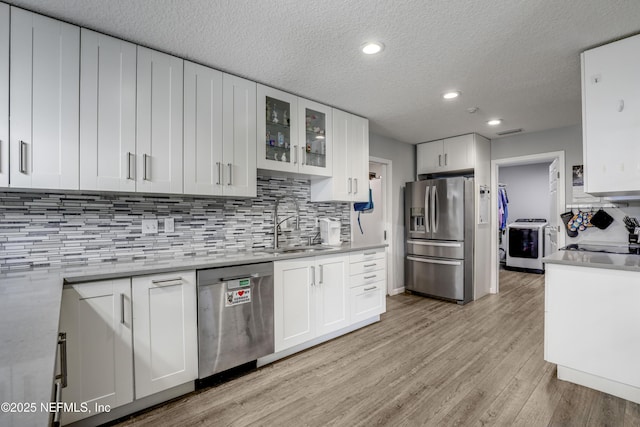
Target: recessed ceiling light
371 48
494 122
451 95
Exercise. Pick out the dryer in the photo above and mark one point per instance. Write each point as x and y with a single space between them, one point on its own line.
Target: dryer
525 244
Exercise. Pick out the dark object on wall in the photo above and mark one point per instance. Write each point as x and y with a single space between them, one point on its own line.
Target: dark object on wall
566 217
601 219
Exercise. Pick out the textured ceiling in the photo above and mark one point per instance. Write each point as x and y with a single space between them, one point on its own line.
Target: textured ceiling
514 59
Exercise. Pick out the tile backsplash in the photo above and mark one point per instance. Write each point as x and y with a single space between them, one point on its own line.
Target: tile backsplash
69 228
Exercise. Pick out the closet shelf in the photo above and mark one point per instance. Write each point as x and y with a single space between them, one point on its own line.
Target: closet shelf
595 205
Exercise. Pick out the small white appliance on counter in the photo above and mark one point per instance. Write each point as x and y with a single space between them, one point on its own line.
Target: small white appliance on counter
330 232
525 244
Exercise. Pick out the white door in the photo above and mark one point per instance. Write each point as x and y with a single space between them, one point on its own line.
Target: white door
429 155
552 229
294 305
358 157
4 95
96 317
342 180
202 130
107 113
159 122
164 331
458 153
331 280
315 136
239 137
44 102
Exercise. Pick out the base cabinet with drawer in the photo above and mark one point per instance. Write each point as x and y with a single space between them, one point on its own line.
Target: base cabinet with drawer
367 284
114 328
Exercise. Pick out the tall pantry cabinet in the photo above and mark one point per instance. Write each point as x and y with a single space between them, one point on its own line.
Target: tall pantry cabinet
4 95
44 94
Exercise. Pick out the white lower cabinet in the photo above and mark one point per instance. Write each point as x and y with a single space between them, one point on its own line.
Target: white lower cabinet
165 335
367 284
310 298
147 324
97 320
366 301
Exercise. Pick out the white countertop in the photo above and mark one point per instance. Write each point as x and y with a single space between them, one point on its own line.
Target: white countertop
629 262
30 305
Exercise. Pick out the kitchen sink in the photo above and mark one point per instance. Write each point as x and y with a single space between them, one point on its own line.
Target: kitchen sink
300 249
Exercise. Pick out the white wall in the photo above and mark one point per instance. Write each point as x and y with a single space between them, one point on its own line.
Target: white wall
528 190
403 157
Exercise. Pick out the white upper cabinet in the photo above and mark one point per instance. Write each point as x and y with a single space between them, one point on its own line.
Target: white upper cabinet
44 102
315 136
278 145
202 130
107 113
446 155
4 95
159 122
610 111
350 161
219 133
239 136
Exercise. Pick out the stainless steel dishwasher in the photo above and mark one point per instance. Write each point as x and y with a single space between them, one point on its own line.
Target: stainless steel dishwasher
235 316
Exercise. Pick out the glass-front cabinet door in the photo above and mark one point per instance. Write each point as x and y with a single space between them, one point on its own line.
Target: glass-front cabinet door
316 137
278 146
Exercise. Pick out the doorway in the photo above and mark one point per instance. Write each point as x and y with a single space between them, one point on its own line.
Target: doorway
554 207
375 226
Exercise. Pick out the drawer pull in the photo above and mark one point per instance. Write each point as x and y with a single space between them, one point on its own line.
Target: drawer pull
370 253
370 277
174 281
371 288
370 265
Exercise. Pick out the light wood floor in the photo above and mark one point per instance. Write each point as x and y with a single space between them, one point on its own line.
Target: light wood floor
426 363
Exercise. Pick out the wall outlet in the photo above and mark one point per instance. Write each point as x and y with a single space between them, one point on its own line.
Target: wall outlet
168 225
149 226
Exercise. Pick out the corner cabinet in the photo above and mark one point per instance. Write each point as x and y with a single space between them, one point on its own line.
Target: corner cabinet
159 122
610 111
4 94
107 113
350 160
219 133
310 299
44 102
446 155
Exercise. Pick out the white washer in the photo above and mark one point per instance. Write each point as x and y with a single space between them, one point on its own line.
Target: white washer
525 244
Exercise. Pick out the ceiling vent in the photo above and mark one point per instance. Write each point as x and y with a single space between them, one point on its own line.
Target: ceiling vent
509 132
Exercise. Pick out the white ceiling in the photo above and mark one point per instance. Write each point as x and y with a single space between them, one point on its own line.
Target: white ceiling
514 59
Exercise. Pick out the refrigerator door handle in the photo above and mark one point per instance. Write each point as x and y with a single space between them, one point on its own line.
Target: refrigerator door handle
434 209
434 261
427 208
443 244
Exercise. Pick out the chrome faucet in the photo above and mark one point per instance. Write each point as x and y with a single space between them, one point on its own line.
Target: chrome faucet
276 224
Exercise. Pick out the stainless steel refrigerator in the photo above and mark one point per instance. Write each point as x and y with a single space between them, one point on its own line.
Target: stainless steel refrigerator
439 223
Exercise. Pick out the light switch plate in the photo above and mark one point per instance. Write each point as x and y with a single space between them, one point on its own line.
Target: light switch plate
149 226
168 225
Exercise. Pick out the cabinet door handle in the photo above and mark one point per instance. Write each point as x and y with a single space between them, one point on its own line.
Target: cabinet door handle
166 282
129 165
23 157
303 155
621 106
370 265
122 309
355 185
230 174
349 185
219 173
58 396
144 167
370 277
439 159
371 288
313 276
62 342
321 274
295 152
445 159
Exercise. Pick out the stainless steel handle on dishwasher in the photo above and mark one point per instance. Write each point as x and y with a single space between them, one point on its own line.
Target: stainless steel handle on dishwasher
244 276
219 174
370 277
371 288
230 174
129 176
62 342
23 157
122 309
434 261
144 167
166 282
